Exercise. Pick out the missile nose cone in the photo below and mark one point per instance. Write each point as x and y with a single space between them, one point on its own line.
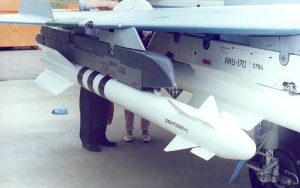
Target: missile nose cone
239 146
245 147
241 150
249 150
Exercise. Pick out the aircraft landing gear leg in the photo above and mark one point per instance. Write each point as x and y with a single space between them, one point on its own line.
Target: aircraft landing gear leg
277 167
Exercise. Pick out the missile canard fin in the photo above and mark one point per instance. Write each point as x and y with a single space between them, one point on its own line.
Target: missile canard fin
203 153
209 112
179 143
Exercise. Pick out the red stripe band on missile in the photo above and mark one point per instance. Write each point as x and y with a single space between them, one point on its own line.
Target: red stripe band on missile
91 80
206 62
80 75
101 85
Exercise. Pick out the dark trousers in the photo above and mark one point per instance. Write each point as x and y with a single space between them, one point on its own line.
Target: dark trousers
93 117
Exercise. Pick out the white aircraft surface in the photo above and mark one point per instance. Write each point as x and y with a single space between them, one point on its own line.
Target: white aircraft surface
240 61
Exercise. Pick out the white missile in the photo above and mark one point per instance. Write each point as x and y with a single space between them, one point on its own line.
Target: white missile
204 129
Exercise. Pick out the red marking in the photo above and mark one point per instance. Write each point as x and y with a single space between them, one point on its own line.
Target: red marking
90 60
224 48
112 74
206 62
103 63
224 52
149 66
152 75
134 84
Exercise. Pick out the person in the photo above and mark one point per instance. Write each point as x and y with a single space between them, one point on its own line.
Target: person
129 119
87 5
94 110
129 116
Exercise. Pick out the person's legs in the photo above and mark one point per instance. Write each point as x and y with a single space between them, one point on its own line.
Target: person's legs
144 124
145 130
100 118
86 121
129 119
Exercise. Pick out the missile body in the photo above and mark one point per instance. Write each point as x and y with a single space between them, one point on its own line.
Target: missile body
204 130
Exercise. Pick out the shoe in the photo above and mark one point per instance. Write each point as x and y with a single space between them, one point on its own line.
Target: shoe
146 138
91 147
128 138
107 143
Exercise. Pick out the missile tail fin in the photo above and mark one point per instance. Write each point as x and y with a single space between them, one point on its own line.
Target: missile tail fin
203 153
53 82
55 56
179 143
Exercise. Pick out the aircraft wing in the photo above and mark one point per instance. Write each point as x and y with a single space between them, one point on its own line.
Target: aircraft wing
241 20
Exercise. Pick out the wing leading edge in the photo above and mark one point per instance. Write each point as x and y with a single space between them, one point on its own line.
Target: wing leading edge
242 20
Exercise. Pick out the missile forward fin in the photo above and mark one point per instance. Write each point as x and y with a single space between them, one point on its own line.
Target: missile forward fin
179 143
203 153
207 114
247 120
53 82
230 120
250 120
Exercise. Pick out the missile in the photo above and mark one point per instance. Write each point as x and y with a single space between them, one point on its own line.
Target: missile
204 130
